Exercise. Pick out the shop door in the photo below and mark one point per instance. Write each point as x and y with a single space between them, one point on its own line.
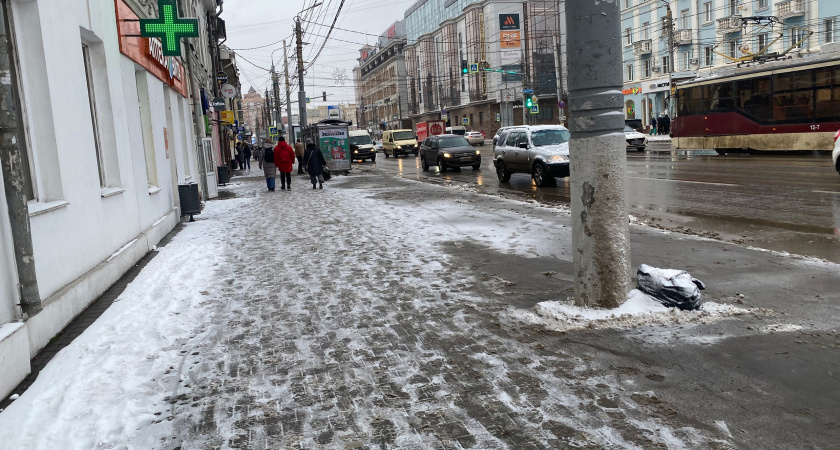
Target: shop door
210 168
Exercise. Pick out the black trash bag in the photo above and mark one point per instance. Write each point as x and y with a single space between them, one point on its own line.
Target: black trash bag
672 288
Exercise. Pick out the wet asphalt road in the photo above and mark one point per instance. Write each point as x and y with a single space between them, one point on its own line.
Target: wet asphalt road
786 202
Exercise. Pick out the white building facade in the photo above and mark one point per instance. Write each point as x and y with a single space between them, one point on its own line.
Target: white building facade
109 136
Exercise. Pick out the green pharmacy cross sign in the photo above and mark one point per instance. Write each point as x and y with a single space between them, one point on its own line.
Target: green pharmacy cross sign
169 28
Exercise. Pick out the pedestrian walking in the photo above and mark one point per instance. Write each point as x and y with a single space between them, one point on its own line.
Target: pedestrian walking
653 126
269 169
246 154
284 159
660 124
299 151
258 155
667 125
314 164
240 156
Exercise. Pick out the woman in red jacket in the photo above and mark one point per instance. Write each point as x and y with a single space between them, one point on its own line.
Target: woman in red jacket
284 158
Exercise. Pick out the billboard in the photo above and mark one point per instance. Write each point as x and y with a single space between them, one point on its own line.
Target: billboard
509 21
509 39
335 147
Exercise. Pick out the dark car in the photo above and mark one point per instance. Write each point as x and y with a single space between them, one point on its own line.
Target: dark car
448 150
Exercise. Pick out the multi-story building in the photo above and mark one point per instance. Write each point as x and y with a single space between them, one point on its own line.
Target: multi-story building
381 87
107 129
506 47
252 111
709 37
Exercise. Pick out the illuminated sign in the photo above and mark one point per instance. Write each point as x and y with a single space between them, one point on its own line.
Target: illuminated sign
509 39
631 91
169 28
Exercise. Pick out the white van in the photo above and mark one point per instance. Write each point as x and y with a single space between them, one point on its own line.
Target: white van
460 131
361 145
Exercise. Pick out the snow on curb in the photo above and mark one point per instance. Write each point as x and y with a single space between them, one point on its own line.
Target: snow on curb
639 310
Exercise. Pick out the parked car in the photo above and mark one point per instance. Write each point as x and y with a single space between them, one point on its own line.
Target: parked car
448 150
361 146
836 153
635 140
542 151
474 138
399 142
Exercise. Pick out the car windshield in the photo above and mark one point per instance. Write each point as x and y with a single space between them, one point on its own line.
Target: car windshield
628 129
549 137
453 142
360 140
403 136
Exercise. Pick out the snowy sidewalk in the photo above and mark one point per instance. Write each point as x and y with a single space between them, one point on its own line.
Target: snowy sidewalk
376 312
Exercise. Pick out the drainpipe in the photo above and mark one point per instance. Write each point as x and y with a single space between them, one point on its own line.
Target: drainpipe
11 160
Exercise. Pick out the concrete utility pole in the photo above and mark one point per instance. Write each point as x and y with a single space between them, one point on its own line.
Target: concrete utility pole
301 87
11 160
669 28
288 90
279 119
526 114
600 230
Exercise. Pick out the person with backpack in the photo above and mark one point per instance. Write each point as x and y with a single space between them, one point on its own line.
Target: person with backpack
314 163
269 169
284 159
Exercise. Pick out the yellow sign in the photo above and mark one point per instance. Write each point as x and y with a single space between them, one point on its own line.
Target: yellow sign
509 39
226 117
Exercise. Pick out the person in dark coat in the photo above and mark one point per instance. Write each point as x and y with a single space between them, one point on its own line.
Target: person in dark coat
269 169
667 124
660 124
284 159
314 164
246 153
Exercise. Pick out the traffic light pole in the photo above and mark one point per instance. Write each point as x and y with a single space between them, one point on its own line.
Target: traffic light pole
600 230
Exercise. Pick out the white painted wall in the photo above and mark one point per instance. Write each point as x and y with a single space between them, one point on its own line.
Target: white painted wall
8 272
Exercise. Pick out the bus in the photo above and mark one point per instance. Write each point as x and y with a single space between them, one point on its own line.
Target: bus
785 107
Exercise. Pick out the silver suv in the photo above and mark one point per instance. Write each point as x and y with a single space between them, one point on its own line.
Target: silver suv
541 151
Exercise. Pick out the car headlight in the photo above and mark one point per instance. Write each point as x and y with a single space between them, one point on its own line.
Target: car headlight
399 147
478 152
446 155
356 152
558 158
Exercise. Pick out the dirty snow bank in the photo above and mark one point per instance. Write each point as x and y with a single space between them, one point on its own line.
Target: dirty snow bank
639 310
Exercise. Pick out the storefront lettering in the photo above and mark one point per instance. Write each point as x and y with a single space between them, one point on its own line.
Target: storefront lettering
633 90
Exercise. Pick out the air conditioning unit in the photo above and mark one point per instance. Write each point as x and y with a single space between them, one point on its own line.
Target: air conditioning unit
694 61
655 68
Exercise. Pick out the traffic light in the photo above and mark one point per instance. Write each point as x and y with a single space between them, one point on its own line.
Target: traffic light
325 95
465 68
528 102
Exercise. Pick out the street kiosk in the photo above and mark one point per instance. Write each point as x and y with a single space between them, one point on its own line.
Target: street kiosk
333 138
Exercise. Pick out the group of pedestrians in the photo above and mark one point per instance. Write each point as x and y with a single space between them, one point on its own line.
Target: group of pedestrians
243 156
660 125
281 157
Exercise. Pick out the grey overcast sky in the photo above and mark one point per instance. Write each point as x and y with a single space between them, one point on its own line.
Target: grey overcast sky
259 23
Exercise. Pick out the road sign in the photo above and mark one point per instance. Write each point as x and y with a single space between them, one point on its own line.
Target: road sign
228 91
498 117
169 28
473 67
272 131
218 103
221 77
561 104
465 121
307 99
444 117
528 91
535 109
534 99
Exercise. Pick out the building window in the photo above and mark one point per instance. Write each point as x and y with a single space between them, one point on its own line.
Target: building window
708 15
733 49
628 36
709 56
628 72
628 3
647 68
684 20
761 41
732 8
481 117
685 60
828 30
763 4
646 30
142 83
666 64
93 119
797 37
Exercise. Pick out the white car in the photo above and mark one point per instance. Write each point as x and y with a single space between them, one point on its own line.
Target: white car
635 140
377 145
474 138
835 155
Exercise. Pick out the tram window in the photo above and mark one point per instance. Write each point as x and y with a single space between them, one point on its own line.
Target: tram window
828 103
827 76
722 98
696 106
754 98
782 82
793 106
803 79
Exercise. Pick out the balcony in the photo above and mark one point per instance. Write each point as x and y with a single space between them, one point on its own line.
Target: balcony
790 8
642 47
730 24
682 37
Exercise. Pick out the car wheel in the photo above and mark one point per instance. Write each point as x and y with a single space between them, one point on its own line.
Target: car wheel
504 175
424 164
373 158
441 165
476 166
541 177
641 149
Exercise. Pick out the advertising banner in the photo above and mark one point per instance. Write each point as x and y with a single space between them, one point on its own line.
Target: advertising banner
509 21
335 146
509 39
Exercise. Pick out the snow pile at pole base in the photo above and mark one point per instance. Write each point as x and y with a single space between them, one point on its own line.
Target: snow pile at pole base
639 310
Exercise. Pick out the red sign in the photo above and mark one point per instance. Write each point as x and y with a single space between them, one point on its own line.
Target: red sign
392 32
431 128
631 91
364 55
